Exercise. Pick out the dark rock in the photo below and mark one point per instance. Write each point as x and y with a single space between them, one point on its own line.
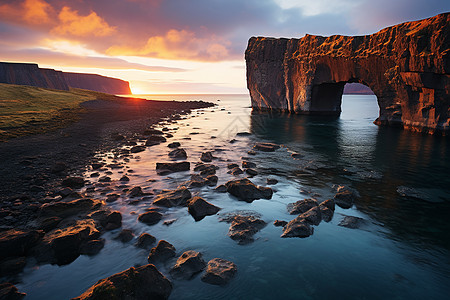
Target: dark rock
251 172
150 217
251 152
92 247
245 190
243 134
221 189
206 157
200 208
173 198
95 174
266 147
96 166
58 167
104 179
187 265
345 198
73 182
232 166
137 149
296 155
152 131
124 178
135 192
174 145
271 181
144 282
235 171
125 235
169 222
243 228
11 266
49 223
112 220
178 153
297 228
301 206
162 252
166 168
145 240
219 271
205 169
9 292
112 197
156 138
248 164
65 209
279 223
352 222
312 216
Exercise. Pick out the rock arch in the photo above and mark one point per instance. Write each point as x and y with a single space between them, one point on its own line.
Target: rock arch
407 66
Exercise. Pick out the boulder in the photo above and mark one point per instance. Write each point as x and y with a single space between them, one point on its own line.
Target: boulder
49 223
205 169
206 157
344 198
251 172
135 192
137 149
125 235
17 242
152 131
178 153
219 271
9 292
199 180
232 166
200 208
271 181
156 138
245 190
144 282
174 145
173 198
243 227
327 209
248 164
124 178
352 222
150 217
312 216
221 188
279 223
297 228
301 206
266 147
187 265
12 266
65 209
162 252
112 220
92 247
73 182
166 168
145 240
112 197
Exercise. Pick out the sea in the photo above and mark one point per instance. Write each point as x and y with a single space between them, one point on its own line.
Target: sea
401 250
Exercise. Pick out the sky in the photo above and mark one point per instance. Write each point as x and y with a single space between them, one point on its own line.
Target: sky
180 46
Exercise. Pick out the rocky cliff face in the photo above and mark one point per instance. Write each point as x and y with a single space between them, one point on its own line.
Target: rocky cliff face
407 66
31 74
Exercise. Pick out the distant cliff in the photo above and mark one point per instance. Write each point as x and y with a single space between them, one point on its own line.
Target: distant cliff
31 74
407 66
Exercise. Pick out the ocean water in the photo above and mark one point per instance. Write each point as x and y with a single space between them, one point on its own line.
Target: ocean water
402 251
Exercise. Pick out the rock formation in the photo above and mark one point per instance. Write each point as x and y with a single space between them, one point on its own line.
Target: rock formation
407 66
31 74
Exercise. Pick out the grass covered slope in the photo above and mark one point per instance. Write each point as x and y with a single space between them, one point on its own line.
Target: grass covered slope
27 110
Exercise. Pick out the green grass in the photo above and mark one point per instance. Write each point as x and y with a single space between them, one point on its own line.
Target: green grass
28 110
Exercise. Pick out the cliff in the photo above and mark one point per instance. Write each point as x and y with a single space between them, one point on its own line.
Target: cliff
31 74
407 67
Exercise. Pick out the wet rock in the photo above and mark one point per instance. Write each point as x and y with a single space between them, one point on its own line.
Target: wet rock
173 198
301 206
205 169
124 178
206 157
92 247
187 265
352 222
125 235
248 164
162 252
62 246
245 190
235 171
144 282
199 181
179 153
251 172
9 292
200 208
152 131
266 147
95 174
297 155
243 134
112 220
49 223
174 145
345 198
221 189
17 242
145 240
156 138
297 228
271 181
327 209
232 166
312 216
58 167
137 149
73 182
410 192
169 222
136 192
243 227
150 217
11 266
166 168
219 271
70 208
96 166
112 197
279 223
251 152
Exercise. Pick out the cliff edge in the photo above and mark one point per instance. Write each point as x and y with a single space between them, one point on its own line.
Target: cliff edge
407 66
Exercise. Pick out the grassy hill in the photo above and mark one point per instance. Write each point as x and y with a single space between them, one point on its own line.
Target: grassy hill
28 110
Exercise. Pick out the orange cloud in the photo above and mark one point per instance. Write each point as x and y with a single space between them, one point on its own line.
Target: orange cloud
72 23
177 44
30 11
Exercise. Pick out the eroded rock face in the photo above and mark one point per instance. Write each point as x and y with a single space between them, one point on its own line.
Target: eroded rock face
145 282
406 66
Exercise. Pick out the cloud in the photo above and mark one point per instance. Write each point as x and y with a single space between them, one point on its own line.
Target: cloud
28 11
71 23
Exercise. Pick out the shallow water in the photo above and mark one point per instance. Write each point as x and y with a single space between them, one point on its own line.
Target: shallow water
403 252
